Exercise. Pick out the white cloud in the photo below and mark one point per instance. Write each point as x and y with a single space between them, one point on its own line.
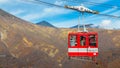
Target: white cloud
104 12
17 12
46 12
92 3
106 24
4 1
99 17
54 11
116 13
59 2
107 11
116 24
99 1
68 23
95 17
30 17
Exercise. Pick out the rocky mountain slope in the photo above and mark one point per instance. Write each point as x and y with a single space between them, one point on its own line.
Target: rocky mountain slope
26 45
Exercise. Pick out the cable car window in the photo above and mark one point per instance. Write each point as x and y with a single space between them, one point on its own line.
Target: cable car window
82 40
92 40
73 40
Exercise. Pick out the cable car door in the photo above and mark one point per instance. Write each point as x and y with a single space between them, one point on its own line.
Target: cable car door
73 45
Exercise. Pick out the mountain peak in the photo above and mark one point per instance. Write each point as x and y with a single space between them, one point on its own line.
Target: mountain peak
45 23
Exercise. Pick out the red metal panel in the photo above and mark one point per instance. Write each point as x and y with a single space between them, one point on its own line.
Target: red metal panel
69 46
72 54
92 54
77 54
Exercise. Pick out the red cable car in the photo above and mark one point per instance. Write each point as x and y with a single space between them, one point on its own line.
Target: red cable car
83 44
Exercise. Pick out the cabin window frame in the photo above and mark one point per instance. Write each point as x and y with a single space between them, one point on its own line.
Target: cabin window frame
92 40
73 40
83 40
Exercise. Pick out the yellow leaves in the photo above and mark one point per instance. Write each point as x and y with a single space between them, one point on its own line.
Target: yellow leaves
59 59
109 32
16 47
36 26
60 65
49 30
64 34
45 49
14 55
3 35
20 52
28 43
14 25
115 40
50 50
31 30
118 44
52 53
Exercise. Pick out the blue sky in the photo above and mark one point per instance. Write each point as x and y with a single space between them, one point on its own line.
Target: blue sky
62 17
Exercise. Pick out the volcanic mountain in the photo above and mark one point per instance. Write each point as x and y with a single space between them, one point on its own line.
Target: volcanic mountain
45 23
27 45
